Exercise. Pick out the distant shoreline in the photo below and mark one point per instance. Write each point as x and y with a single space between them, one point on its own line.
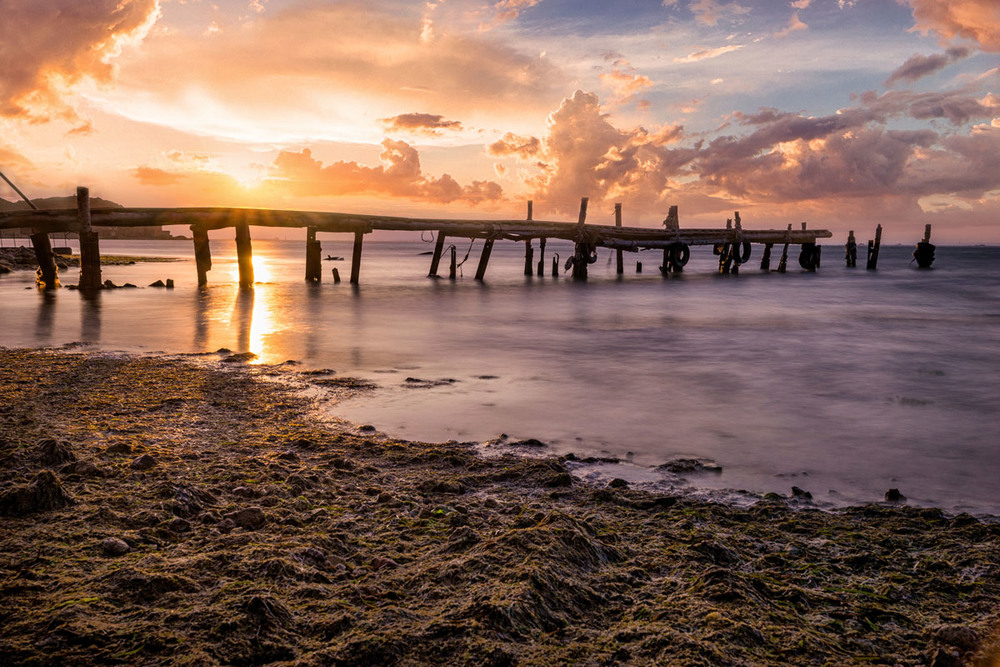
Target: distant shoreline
147 500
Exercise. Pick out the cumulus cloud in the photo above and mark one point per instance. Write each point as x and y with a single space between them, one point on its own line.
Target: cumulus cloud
918 66
47 46
977 20
508 10
421 123
399 175
513 145
624 82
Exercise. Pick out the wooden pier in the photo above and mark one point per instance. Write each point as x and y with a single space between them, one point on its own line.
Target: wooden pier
732 244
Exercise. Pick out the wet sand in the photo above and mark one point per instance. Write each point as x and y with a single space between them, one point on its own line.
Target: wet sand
156 511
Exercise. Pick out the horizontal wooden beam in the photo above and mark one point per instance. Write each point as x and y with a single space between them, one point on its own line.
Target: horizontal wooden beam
63 220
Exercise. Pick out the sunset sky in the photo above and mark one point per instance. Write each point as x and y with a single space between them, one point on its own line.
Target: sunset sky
843 113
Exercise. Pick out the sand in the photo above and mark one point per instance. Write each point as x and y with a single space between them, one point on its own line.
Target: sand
163 511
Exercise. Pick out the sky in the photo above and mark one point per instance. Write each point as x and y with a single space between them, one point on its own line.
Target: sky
841 113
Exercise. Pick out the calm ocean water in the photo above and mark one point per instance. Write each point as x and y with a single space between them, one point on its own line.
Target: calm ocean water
845 382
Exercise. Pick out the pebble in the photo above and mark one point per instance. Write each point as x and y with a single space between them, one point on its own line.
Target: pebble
801 493
618 483
113 546
144 462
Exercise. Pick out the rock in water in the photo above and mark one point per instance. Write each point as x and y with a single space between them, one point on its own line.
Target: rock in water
894 496
53 452
44 492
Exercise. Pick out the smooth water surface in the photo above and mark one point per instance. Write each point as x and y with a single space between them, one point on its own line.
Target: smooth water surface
845 382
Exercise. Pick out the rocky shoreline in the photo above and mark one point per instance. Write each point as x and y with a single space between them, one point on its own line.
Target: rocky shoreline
23 258
156 511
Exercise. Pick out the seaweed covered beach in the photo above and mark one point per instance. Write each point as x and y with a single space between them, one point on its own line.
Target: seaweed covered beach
156 511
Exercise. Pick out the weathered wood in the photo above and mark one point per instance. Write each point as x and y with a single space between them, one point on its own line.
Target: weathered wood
484 259
202 253
851 250
924 252
582 249
314 256
453 269
90 250
555 265
783 262
541 257
619 261
336 275
244 254
873 248
765 258
529 259
436 259
46 260
359 238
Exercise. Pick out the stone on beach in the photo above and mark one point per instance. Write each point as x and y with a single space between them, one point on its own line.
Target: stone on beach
248 518
53 452
44 492
144 462
113 546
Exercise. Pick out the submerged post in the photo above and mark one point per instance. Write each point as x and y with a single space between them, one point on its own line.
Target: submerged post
314 260
359 238
529 259
244 254
873 247
436 259
541 257
619 261
453 269
765 259
46 260
202 253
484 259
924 253
783 263
90 251
851 250
581 256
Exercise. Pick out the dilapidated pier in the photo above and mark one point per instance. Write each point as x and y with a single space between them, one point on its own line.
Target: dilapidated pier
732 244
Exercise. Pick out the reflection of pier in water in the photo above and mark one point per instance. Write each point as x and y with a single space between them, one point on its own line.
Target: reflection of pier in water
732 244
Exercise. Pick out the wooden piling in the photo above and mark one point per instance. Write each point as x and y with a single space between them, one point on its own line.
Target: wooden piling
541 257
555 265
46 260
873 248
665 266
359 238
453 269
638 267
314 259
924 252
619 260
783 262
202 253
336 275
244 254
436 259
484 259
765 259
529 259
90 251
851 250
582 250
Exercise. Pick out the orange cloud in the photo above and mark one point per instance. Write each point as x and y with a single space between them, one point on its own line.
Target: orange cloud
625 83
47 46
794 25
512 144
156 177
708 53
508 10
399 175
710 12
978 20
422 123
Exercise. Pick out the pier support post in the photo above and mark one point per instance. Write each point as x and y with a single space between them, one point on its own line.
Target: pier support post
582 251
202 253
541 257
619 261
244 254
924 253
555 265
314 260
359 238
46 260
484 259
851 250
783 262
453 269
873 247
90 251
665 267
436 259
765 259
529 259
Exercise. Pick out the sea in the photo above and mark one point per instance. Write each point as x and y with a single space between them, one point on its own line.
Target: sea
844 383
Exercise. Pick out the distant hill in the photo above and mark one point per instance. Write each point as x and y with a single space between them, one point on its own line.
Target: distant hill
55 202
